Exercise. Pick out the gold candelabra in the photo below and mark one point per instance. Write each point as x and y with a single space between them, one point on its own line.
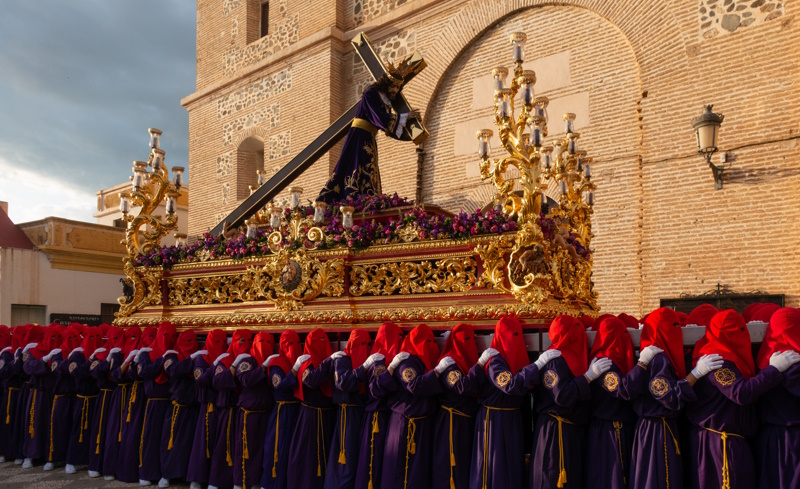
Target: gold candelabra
150 186
522 137
297 226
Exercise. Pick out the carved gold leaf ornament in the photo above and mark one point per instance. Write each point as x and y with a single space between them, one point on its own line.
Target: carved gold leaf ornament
413 277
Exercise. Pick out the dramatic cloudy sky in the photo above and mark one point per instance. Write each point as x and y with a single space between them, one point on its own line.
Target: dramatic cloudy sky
80 83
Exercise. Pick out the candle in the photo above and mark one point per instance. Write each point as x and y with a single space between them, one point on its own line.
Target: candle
563 186
170 205
587 171
590 198
319 211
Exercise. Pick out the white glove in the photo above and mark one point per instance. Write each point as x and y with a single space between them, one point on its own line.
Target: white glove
29 346
443 364
8 348
545 358
168 352
133 353
783 360
220 358
486 356
370 361
597 368
706 365
398 359
445 335
300 361
337 355
114 350
140 352
54 351
198 353
269 359
76 350
99 350
647 355
240 359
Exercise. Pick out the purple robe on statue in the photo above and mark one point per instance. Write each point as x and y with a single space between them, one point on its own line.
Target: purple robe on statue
778 444
60 412
179 425
373 431
658 397
455 427
408 453
280 428
725 404
112 433
356 172
563 412
38 407
206 426
343 457
99 370
308 451
157 409
82 408
12 381
221 472
497 448
133 398
255 403
610 434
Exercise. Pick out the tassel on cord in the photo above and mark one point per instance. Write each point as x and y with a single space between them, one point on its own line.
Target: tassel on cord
228 439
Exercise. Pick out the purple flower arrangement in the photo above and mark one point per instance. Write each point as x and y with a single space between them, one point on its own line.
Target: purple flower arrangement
364 233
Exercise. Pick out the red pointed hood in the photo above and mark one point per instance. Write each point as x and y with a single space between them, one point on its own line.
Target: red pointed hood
421 342
5 336
263 346
614 342
662 328
702 314
71 340
568 336
783 333
131 340
358 346
50 340
460 346
241 342
509 342
92 340
289 348
216 344
318 346
186 344
388 341
764 312
727 336
148 338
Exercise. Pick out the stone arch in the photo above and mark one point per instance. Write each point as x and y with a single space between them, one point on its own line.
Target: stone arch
248 157
258 132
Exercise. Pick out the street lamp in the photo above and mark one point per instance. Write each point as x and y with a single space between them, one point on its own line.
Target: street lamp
706 128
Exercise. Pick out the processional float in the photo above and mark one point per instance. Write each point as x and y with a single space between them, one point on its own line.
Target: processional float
377 259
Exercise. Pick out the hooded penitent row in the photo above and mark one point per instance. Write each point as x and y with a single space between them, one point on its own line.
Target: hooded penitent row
150 406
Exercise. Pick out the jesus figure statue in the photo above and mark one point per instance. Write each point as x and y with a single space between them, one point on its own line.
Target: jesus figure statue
356 172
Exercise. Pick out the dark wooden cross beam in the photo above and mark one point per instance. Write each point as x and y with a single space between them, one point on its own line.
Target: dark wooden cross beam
414 131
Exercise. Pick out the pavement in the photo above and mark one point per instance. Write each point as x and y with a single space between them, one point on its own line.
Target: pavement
14 476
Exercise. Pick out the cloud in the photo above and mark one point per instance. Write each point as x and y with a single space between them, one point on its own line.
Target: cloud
81 82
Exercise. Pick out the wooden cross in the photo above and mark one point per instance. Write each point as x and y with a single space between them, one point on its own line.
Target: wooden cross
414 131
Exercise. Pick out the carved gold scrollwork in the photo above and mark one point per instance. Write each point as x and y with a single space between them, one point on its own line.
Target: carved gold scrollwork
414 277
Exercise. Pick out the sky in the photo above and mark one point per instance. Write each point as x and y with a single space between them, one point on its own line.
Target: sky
80 83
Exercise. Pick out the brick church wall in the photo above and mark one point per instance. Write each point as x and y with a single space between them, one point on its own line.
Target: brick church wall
634 71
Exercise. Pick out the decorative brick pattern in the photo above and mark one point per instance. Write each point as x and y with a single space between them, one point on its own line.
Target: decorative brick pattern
719 17
226 193
225 164
234 29
280 145
229 6
272 114
255 92
364 10
286 34
391 49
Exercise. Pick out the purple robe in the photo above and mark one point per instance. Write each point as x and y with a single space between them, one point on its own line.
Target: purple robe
376 421
343 456
726 402
563 412
19 429
658 397
99 370
497 450
12 381
408 452
455 427
206 426
308 451
778 444
221 471
610 434
115 418
280 428
178 431
82 409
38 407
356 172
157 408
60 412
255 403
127 466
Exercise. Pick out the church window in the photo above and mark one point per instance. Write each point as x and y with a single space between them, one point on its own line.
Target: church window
264 19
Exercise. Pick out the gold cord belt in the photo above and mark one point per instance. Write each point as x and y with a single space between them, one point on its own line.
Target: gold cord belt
489 409
52 412
375 429
666 428
100 426
209 410
323 460
228 458
123 393
618 429
8 404
365 125
132 399
342 431
245 450
176 409
411 445
84 422
562 474
144 423
277 432
726 476
453 411
32 414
